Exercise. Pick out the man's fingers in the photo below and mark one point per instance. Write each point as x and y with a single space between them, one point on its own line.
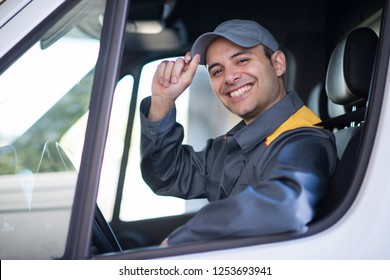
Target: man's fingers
182 70
160 72
177 70
195 61
192 66
169 65
187 57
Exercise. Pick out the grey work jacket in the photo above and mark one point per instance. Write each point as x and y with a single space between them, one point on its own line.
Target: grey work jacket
259 181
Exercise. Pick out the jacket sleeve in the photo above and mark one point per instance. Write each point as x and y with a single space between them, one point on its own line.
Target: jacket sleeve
163 157
282 200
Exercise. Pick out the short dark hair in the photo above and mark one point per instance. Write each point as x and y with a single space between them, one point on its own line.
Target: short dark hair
268 52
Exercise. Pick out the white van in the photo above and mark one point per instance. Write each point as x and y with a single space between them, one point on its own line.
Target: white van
72 75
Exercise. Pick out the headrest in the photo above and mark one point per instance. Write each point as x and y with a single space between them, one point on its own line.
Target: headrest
350 67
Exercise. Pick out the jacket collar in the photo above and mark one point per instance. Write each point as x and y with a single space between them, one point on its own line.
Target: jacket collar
247 136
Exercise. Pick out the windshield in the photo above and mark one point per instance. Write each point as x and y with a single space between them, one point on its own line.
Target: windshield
43 96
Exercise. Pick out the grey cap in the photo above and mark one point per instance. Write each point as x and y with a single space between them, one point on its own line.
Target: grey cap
245 33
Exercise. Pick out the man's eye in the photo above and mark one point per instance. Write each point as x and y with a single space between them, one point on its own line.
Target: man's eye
216 72
242 60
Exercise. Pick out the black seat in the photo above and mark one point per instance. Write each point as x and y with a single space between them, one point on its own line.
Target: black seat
348 83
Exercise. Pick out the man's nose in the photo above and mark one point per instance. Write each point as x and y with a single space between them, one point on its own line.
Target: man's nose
232 76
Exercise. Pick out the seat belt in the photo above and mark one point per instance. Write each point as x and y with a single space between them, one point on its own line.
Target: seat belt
344 120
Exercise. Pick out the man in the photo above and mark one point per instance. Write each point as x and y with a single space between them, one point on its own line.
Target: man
265 175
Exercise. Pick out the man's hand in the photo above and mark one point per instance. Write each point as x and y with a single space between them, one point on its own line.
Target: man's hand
170 80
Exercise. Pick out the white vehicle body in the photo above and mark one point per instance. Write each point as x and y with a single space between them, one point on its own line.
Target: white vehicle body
361 233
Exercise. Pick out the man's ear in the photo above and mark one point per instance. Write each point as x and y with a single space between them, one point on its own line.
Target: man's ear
279 62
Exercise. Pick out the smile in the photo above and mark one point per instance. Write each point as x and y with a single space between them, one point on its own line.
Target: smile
240 91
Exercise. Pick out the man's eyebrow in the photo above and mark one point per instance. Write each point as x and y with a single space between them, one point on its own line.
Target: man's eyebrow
231 57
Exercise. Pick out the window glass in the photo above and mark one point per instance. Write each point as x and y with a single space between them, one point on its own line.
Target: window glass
42 95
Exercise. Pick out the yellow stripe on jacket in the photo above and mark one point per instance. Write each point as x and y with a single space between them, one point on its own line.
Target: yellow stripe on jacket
304 117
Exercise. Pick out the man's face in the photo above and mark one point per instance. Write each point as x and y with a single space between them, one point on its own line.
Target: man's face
244 79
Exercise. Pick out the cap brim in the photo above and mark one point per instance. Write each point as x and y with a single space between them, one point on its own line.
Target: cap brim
202 43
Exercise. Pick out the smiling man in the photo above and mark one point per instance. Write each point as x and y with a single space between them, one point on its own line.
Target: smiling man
267 174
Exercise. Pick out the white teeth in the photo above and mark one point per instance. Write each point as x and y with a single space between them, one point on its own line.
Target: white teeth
240 91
